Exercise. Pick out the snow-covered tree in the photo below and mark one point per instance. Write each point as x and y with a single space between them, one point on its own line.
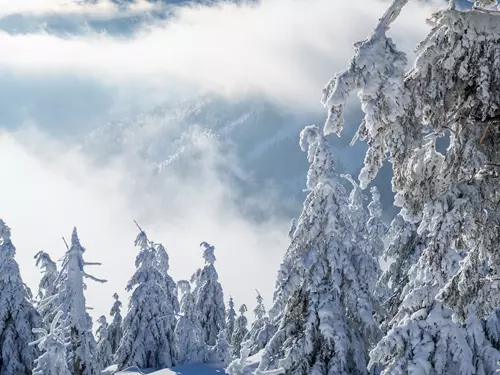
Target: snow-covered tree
17 315
230 318
53 348
359 216
209 297
452 195
70 300
192 348
261 330
327 325
46 287
148 339
359 221
240 331
104 353
260 310
222 349
115 328
163 266
448 91
445 349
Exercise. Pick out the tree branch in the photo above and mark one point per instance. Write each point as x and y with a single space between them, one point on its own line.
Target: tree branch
85 274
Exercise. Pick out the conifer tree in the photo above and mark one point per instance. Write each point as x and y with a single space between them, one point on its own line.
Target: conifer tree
115 328
261 330
260 310
17 315
104 353
327 324
46 287
69 299
222 349
148 339
231 317
359 219
451 195
53 348
240 331
192 348
209 297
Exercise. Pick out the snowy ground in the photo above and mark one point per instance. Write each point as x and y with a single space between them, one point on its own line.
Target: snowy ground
190 369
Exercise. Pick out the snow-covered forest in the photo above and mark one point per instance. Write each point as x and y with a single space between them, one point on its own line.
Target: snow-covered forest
355 294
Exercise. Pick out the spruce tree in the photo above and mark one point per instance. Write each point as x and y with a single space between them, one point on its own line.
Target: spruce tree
231 317
192 348
148 339
451 195
327 325
222 349
115 328
17 315
261 330
104 353
47 285
240 331
69 299
209 297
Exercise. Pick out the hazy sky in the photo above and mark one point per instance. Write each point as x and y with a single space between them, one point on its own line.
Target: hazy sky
56 86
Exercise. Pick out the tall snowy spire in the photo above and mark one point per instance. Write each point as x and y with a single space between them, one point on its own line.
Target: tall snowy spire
148 339
69 299
209 297
327 324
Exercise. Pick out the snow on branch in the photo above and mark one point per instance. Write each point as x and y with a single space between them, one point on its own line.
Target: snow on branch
376 72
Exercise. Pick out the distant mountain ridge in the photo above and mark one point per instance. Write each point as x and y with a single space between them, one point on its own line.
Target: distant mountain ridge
262 137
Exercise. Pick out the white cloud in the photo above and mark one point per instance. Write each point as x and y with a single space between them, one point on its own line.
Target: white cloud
99 10
283 49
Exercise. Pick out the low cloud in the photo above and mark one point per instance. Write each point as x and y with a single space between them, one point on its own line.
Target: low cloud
49 188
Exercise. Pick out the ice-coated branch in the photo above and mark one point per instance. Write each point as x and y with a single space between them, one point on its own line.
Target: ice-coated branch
92 264
390 15
85 274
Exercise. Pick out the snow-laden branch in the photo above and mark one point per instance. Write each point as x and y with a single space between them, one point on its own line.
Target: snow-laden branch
376 72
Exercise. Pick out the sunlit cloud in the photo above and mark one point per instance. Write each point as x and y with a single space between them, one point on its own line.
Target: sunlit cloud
284 50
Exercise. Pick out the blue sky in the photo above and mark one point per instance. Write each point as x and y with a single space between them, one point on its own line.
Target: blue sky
66 70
